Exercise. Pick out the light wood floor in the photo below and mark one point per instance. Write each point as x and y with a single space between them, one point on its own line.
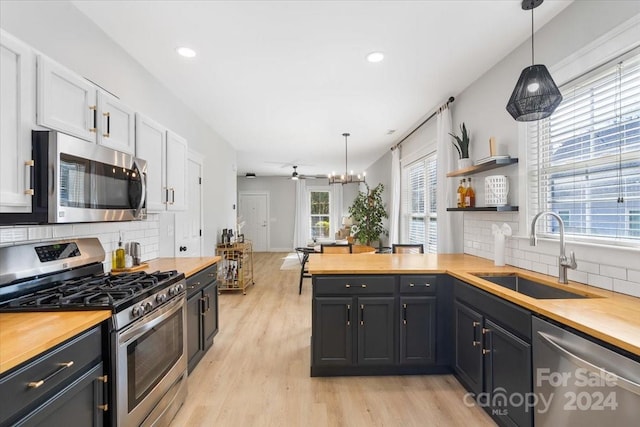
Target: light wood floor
257 372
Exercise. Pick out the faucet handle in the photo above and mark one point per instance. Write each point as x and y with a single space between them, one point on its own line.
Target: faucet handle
570 262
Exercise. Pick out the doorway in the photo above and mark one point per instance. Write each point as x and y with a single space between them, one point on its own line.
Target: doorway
188 224
253 208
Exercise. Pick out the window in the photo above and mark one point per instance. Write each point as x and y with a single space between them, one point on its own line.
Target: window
319 220
584 160
419 216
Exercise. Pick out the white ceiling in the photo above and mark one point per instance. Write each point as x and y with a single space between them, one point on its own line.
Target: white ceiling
282 80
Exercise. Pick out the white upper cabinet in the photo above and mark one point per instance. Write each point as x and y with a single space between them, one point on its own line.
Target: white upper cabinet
176 172
116 124
66 101
69 103
17 119
151 146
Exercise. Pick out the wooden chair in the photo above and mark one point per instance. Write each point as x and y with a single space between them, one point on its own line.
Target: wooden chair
335 249
303 255
407 248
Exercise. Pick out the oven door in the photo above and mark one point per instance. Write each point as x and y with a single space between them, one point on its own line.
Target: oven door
94 183
151 363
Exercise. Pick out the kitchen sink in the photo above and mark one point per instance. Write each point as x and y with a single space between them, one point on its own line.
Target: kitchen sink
529 287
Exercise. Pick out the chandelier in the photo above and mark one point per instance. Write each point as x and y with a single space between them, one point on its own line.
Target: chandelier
347 177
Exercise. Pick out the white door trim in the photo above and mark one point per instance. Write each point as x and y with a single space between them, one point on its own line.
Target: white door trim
198 158
260 193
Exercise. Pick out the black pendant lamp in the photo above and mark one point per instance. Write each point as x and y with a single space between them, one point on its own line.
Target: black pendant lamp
536 95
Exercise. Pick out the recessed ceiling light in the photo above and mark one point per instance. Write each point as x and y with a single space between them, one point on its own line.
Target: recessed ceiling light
186 52
375 57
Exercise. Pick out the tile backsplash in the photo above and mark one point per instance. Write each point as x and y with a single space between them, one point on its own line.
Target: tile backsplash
145 232
612 268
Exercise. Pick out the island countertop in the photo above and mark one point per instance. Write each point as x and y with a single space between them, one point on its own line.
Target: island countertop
609 316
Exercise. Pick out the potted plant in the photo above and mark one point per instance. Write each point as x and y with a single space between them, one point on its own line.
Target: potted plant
367 213
462 146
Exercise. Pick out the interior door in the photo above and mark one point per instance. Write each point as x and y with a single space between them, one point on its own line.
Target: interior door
188 224
253 210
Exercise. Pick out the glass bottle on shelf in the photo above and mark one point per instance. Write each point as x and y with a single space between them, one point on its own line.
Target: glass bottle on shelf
469 196
461 191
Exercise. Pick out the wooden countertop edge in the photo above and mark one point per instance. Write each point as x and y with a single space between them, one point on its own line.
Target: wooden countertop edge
189 266
88 320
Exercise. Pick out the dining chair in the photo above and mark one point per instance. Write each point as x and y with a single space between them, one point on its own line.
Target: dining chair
409 248
335 249
303 255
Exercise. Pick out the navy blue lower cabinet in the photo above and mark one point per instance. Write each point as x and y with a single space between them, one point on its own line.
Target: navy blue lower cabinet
417 330
376 331
333 331
493 354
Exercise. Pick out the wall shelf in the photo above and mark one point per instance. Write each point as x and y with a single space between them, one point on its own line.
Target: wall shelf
485 209
492 164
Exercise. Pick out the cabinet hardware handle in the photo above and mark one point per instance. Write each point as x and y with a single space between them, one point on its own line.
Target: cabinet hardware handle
211 274
347 285
208 302
426 285
361 314
166 195
94 108
173 196
476 343
476 324
363 285
475 333
348 314
28 176
190 287
108 116
203 308
104 407
404 314
196 284
104 378
485 351
63 366
485 331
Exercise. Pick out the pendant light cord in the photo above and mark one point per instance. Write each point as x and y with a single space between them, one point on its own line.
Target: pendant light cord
532 56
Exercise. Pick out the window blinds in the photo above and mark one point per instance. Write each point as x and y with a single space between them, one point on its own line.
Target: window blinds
420 219
584 160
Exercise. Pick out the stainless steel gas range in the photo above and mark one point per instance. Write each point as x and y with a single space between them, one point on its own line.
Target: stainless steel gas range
147 339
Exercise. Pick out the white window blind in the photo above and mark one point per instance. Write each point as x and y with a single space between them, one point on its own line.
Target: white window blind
584 160
419 216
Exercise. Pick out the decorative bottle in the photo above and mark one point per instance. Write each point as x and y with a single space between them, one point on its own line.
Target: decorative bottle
120 254
461 191
469 196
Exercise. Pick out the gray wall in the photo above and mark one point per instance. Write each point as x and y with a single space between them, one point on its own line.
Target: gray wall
62 32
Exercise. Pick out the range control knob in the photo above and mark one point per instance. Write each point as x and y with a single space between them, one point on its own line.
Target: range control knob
173 291
137 311
148 306
180 287
160 298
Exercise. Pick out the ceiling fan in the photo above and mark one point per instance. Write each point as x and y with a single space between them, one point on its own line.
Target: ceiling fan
296 176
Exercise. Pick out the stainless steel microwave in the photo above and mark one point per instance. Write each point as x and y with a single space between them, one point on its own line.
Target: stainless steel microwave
79 181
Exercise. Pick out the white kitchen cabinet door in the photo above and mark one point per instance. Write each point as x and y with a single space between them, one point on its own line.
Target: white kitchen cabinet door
116 127
151 146
66 101
176 172
17 117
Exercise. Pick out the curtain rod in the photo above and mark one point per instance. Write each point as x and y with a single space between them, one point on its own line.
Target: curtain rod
446 104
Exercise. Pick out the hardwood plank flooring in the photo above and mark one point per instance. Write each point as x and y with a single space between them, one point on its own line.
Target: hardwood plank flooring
257 372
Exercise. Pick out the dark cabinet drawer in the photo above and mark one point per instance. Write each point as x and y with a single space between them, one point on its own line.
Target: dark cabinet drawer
202 278
423 284
36 380
349 285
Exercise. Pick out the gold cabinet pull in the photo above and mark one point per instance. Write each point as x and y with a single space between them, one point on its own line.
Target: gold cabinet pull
485 330
28 176
486 351
63 366
108 116
104 407
476 343
363 285
94 108
347 285
104 378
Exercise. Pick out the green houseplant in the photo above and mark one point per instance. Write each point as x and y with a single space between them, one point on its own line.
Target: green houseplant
367 212
461 142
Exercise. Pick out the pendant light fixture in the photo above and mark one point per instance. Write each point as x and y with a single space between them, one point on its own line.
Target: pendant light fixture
348 177
536 95
294 175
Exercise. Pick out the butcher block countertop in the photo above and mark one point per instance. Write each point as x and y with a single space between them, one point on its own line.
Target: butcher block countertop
609 316
25 335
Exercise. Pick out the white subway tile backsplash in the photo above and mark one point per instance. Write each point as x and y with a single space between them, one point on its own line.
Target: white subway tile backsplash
615 272
540 268
39 233
10 235
626 287
588 266
602 282
634 276
578 276
62 231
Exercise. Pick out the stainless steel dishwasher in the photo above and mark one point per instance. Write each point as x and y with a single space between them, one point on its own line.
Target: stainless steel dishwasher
578 382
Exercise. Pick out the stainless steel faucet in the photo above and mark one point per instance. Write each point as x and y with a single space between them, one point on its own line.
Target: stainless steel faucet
563 261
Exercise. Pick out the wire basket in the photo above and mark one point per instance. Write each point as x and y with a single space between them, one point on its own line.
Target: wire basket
496 190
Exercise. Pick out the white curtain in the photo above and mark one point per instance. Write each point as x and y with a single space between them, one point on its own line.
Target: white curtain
450 224
301 223
394 217
336 208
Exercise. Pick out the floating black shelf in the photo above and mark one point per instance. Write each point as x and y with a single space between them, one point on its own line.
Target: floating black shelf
492 164
485 209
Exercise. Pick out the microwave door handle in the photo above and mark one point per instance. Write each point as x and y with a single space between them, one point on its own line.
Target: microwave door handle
143 196
619 381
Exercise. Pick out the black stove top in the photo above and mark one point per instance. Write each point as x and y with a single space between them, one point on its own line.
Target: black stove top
104 291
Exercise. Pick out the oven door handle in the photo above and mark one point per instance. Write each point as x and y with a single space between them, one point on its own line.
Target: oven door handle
157 317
